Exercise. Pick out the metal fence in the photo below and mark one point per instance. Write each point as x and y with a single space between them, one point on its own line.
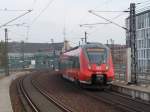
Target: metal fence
143 77
120 72
2 72
120 55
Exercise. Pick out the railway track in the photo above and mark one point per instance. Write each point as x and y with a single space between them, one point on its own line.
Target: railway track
30 101
24 96
123 102
37 99
128 97
51 98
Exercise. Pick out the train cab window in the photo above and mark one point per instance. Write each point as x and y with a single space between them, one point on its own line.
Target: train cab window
97 56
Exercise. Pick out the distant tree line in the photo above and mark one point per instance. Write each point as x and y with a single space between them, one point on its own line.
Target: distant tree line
2 56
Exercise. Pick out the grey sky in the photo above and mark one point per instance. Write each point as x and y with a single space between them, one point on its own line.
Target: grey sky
68 13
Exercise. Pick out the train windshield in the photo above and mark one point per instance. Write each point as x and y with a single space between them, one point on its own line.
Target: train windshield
97 55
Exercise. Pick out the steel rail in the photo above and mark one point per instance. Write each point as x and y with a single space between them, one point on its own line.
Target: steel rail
27 98
114 103
50 98
127 97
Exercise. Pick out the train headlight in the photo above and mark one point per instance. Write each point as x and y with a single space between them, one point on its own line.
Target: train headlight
107 67
89 67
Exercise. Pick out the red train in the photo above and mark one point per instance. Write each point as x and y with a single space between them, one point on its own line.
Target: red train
89 64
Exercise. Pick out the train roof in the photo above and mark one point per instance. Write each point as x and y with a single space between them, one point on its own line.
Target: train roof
96 44
89 45
75 51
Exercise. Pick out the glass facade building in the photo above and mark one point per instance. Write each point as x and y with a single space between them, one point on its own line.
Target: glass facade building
142 39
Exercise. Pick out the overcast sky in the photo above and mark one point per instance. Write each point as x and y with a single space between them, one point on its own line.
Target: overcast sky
68 14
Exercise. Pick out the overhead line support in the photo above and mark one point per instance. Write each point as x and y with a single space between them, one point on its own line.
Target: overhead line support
90 11
5 24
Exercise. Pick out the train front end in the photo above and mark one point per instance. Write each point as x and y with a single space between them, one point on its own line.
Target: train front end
97 65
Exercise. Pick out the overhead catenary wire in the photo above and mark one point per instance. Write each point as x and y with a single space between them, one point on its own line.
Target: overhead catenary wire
103 4
92 24
12 10
17 24
15 18
86 14
42 11
120 14
142 9
126 11
90 11
113 11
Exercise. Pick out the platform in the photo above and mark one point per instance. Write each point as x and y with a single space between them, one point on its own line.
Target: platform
135 91
5 103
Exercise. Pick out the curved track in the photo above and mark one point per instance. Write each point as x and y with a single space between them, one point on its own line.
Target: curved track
24 96
36 99
51 98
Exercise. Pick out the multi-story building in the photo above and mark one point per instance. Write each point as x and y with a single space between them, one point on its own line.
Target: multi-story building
142 39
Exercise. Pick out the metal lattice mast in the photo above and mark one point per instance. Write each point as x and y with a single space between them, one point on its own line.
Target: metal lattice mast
133 43
22 53
6 53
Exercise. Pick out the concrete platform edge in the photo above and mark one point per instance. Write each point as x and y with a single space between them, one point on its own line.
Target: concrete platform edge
134 93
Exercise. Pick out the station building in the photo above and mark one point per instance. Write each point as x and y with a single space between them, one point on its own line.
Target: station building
143 39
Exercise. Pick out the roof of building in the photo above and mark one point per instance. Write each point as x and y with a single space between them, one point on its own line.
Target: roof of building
15 47
143 12
140 13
